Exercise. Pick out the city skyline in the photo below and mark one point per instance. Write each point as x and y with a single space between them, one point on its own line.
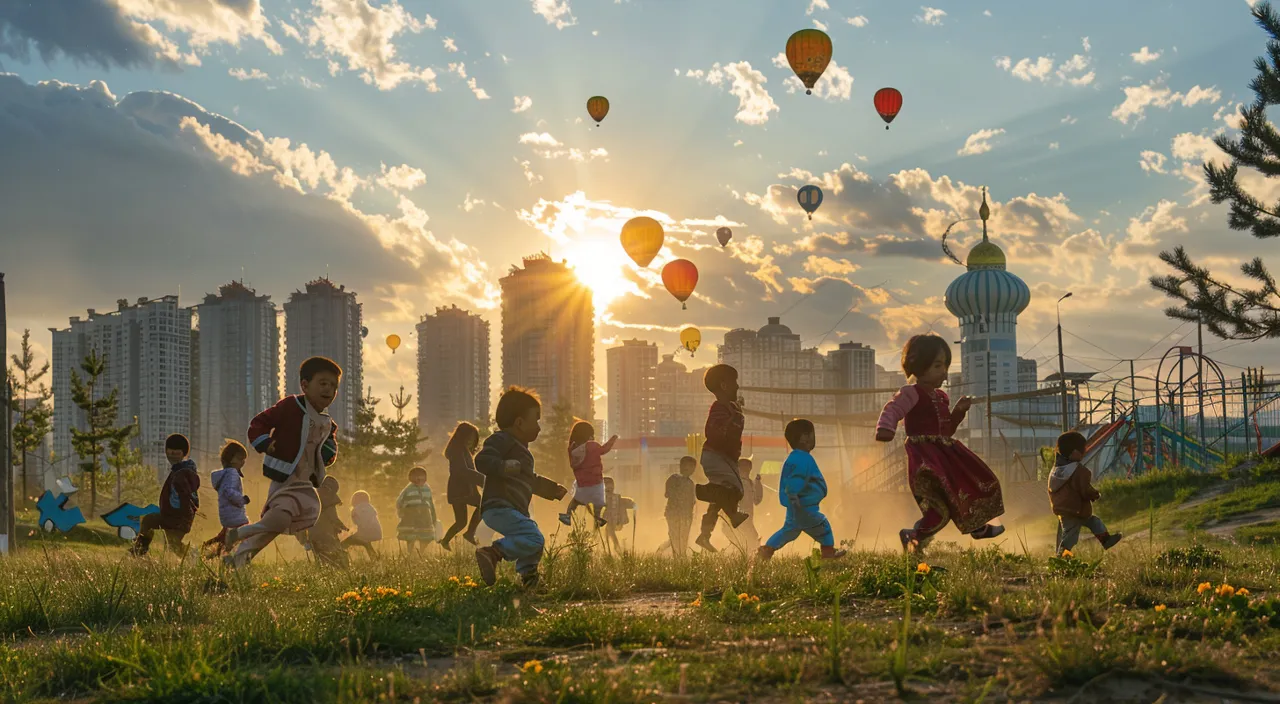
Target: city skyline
1089 135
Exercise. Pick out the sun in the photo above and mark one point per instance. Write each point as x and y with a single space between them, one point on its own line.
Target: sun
601 265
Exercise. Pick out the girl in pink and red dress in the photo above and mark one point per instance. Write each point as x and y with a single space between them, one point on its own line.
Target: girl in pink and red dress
948 481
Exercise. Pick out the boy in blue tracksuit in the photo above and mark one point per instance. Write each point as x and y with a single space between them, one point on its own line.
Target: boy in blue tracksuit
800 489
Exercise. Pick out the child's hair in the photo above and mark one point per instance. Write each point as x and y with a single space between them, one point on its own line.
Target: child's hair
920 351
581 432
688 460
230 451
360 497
717 375
316 365
608 482
460 439
797 429
514 403
745 460
418 472
1070 442
331 482
178 441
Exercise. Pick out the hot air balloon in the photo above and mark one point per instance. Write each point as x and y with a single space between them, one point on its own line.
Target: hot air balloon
642 238
680 277
597 107
888 103
690 338
810 198
724 234
393 341
809 52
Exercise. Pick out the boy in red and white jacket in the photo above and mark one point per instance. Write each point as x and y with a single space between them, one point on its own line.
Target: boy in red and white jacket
298 440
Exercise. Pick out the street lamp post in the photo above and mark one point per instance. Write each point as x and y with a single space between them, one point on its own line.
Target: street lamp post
1062 366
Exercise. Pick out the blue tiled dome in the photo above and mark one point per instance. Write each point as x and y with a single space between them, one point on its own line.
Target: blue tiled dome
987 292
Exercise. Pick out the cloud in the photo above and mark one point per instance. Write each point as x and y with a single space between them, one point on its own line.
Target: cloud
469 204
527 170
836 82
1074 71
817 5
1144 56
460 69
450 45
1054 146
1155 94
548 147
401 178
1152 162
930 15
363 35
858 21
522 103
124 34
252 74
746 84
556 12
1069 120
979 142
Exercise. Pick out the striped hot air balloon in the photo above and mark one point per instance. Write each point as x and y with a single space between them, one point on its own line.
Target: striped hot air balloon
597 107
642 238
809 197
680 277
888 102
809 52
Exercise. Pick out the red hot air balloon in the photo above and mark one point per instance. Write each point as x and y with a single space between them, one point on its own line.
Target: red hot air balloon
888 103
680 277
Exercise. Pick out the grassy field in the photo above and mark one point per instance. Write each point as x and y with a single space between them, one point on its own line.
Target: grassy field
1183 613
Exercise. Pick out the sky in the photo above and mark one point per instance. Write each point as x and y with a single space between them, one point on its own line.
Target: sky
414 151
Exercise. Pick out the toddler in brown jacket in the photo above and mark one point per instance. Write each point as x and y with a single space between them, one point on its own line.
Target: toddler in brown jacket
1071 494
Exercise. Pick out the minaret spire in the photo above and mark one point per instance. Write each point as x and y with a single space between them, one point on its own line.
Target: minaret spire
984 212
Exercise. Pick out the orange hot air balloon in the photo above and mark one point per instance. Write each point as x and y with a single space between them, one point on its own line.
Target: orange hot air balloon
597 107
680 277
809 52
393 341
642 239
888 102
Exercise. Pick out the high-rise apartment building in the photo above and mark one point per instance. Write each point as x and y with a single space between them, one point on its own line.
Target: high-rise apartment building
633 369
682 399
1028 375
236 373
325 321
453 371
147 348
548 334
772 357
855 368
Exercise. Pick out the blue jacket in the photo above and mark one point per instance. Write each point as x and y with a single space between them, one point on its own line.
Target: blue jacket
802 479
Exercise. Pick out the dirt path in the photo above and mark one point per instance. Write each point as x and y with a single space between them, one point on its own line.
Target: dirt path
1227 528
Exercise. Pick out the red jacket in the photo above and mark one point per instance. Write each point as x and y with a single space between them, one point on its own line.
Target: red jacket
180 496
286 424
723 431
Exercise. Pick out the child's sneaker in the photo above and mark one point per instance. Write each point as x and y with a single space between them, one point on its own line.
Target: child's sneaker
1109 540
704 542
738 518
487 560
909 542
530 581
601 523
829 552
566 519
987 532
140 546
765 553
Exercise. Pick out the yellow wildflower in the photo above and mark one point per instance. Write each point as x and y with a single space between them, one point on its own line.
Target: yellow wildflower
534 666
1160 607
1204 587
755 599
1226 590
1242 592
923 568
744 597
453 579
1068 553
698 601
264 585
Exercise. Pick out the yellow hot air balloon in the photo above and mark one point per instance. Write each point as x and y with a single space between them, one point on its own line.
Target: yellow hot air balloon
642 239
690 338
809 52
393 341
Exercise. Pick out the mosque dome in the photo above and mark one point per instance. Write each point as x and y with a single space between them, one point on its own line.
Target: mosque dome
775 328
986 288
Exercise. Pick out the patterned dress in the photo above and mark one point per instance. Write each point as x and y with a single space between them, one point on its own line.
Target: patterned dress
949 482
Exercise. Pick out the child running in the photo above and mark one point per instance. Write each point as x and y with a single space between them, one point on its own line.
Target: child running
325 536
1071 495
586 459
231 497
949 482
368 528
298 440
801 489
615 512
464 482
179 501
416 509
680 505
510 483
720 453
745 537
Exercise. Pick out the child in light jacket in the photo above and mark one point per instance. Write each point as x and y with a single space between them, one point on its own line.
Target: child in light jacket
231 497
416 508
368 529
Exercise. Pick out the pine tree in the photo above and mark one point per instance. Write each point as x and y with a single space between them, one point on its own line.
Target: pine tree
1230 311
93 442
30 401
403 443
359 451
